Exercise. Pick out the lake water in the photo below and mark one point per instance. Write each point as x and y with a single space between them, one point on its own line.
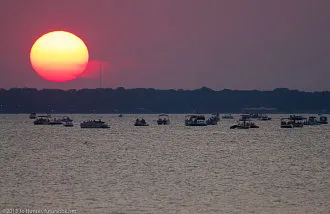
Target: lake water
163 169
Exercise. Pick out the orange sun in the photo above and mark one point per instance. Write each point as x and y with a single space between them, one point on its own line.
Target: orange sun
59 56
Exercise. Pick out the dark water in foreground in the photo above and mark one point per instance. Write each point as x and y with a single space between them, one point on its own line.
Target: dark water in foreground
164 169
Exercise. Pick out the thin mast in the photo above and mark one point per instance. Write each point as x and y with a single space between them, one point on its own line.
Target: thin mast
100 75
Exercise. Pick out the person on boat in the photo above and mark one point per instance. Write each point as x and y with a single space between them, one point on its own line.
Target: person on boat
143 121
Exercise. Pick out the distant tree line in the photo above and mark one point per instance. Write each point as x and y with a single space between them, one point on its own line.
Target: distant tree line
140 100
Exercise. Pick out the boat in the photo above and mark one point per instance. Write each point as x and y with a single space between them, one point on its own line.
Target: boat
311 121
323 120
42 121
255 115
55 121
286 123
244 123
227 116
245 117
66 119
33 115
140 122
297 121
264 118
297 117
216 116
94 124
120 115
213 120
292 122
163 119
68 124
195 120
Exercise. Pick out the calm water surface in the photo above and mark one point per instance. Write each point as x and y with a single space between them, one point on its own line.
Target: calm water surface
164 169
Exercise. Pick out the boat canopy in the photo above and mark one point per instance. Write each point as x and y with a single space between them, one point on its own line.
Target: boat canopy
198 117
294 117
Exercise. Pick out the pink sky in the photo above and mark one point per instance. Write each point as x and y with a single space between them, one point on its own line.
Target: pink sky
176 44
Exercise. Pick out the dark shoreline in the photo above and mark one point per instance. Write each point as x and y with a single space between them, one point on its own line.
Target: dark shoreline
152 101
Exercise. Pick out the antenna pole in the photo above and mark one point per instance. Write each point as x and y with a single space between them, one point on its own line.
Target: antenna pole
100 75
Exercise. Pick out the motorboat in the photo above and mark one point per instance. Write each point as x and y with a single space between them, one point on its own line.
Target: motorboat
297 121
94 124
140 122
195 120
245 117
68 124
41 121
311 121
33 115
244 123
264 118
286 123
55 121
292 122
297 117
323 120
255 116
227 116
163 119
216 116
213 120
66 119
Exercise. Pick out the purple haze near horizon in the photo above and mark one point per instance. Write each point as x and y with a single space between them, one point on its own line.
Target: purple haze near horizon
177 44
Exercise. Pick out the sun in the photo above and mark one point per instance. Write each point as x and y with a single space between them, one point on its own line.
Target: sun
59 56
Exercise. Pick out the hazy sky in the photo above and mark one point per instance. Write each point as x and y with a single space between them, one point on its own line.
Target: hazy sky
235 44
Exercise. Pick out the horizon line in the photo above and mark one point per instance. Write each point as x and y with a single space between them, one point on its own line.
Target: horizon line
169 89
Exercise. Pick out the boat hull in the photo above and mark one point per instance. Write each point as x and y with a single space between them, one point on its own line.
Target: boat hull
162 122
287 126
141 125
196 124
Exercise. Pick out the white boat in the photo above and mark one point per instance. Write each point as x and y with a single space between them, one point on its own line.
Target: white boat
286 123
195 120
140 122
94 124
163 119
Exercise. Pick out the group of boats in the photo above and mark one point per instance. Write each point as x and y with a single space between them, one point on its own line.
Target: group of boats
296 121
48 120
245 121
163 119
